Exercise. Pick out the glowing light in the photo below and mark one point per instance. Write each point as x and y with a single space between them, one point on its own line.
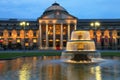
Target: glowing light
34 40
18 40
51 40
92 24
26 44
85 46
95 24
64 27
24 23
54 21
57 40
27 24
82 35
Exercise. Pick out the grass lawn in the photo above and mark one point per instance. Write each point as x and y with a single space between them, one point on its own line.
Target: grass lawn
12 55
27 54
110 53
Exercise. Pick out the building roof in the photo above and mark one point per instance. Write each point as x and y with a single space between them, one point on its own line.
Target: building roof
55 11
55 7
99 20
103 22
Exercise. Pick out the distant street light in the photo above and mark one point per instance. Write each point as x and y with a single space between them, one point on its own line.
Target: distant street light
95 24
24 24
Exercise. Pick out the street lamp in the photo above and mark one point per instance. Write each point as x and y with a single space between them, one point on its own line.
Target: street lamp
24 24
95 24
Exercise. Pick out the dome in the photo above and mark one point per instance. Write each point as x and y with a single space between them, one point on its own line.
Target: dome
55 7
56 11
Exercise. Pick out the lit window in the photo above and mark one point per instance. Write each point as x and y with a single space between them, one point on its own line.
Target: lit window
18 40
34 40
26 44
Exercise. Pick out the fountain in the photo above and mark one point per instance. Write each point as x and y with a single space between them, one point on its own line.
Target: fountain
80 49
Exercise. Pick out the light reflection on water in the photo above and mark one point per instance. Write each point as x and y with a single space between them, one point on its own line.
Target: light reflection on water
51 68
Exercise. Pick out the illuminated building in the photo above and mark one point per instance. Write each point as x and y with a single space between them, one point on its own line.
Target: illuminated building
53 29
56 24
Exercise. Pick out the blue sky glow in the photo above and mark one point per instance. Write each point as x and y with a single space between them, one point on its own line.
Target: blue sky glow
82 9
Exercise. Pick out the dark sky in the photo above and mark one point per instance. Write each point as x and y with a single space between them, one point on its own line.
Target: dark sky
83 9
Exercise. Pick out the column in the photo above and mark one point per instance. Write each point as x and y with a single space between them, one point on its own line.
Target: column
116 43
68 31
40 34
54 36
75 27
46 36
61 37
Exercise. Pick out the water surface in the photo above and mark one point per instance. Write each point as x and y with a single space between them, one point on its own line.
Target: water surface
51 68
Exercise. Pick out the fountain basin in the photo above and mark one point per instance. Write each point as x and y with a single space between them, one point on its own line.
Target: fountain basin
82 57
83 62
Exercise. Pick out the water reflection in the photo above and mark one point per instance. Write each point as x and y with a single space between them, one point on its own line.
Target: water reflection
24 73
98 73
50 68
83 72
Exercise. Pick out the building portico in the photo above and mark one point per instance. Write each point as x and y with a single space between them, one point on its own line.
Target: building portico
55 26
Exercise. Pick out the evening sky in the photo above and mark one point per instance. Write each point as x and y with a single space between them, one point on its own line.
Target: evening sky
82 9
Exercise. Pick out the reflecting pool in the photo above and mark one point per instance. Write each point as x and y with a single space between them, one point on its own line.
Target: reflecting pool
51 68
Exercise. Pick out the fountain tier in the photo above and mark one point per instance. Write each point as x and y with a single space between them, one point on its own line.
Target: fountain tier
80 45
80 35
80 48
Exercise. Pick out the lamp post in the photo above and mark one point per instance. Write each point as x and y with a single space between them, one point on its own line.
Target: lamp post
95 25
24 24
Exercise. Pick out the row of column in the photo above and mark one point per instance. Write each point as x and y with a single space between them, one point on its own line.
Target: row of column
54 36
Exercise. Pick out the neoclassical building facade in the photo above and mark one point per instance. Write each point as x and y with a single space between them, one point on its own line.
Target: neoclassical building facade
55 26
53 29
